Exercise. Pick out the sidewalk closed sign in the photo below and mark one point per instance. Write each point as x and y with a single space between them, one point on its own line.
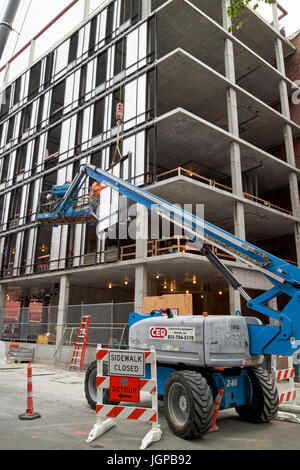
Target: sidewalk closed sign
126 363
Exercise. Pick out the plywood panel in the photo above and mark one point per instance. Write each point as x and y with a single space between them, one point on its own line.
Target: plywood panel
183 302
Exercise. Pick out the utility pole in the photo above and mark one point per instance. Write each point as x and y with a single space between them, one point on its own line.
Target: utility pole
7 21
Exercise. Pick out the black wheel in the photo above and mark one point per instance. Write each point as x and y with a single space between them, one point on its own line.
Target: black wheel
90 385
188 404
265 400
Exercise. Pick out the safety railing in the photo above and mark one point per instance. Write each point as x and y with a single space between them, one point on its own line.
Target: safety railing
213 183
168 246
129 251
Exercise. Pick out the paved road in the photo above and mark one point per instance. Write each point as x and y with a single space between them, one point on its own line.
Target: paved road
67 420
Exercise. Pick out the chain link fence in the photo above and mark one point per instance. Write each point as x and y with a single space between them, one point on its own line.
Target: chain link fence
109 326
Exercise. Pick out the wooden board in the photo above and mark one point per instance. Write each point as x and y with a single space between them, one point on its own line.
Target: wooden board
183 302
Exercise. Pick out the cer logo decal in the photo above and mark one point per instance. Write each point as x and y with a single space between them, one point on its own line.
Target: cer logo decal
157 332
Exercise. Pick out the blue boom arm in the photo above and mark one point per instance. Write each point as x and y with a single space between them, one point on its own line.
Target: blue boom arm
282 339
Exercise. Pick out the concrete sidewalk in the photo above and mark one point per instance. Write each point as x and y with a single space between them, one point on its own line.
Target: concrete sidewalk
66 419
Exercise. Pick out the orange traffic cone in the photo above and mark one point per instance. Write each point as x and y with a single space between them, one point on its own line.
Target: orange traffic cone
29 414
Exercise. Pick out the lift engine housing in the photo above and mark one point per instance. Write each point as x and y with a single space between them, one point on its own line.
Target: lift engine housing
198 341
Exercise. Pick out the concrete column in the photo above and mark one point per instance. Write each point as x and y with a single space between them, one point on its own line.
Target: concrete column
141 276
141 231
31 53
146 8
233 127
63 304
287 130
86 10
3 292
234 301
141 287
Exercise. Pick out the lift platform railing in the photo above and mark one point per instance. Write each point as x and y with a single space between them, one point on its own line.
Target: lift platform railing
84 209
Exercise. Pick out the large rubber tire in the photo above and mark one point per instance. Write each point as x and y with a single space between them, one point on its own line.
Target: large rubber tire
188 404
265 400
90 388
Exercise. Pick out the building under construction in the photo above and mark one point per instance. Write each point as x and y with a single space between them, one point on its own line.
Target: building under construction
208 119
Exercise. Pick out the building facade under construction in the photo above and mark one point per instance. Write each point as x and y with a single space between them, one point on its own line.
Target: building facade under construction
209 119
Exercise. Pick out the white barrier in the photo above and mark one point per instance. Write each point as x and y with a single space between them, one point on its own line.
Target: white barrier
287 399
108 414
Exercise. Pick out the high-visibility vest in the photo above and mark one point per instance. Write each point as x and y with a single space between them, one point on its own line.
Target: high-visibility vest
97 188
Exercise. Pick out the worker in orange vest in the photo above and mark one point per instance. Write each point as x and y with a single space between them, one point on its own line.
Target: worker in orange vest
96 189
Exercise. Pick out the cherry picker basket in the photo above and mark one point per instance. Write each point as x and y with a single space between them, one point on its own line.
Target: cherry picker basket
84 210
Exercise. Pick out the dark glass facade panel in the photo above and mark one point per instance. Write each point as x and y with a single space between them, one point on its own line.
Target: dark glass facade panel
73 47
34 80
98 123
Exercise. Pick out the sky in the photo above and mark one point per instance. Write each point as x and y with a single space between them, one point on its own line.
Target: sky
292 21
33 15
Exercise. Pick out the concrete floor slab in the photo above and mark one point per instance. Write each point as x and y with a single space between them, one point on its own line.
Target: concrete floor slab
205 147
203 92
262 223
255 70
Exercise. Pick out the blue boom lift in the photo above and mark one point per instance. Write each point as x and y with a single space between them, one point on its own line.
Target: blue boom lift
198 356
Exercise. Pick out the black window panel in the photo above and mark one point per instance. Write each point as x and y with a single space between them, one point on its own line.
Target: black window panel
30 199
6 101
9 252
10 131
5 168
151 94
109 23
35 155
25 119
91 240
76 168
82 86
48 181
79 128
1 207
53 142
21 160
53 146
42 250
120 56
15 204
24 251
93 30
129 10
98 122
40 113
17 90
101 71
151 38
73 47
57 101
49 68
34 81
96 159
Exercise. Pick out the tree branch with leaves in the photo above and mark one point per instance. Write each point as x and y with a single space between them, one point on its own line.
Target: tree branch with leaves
237 7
